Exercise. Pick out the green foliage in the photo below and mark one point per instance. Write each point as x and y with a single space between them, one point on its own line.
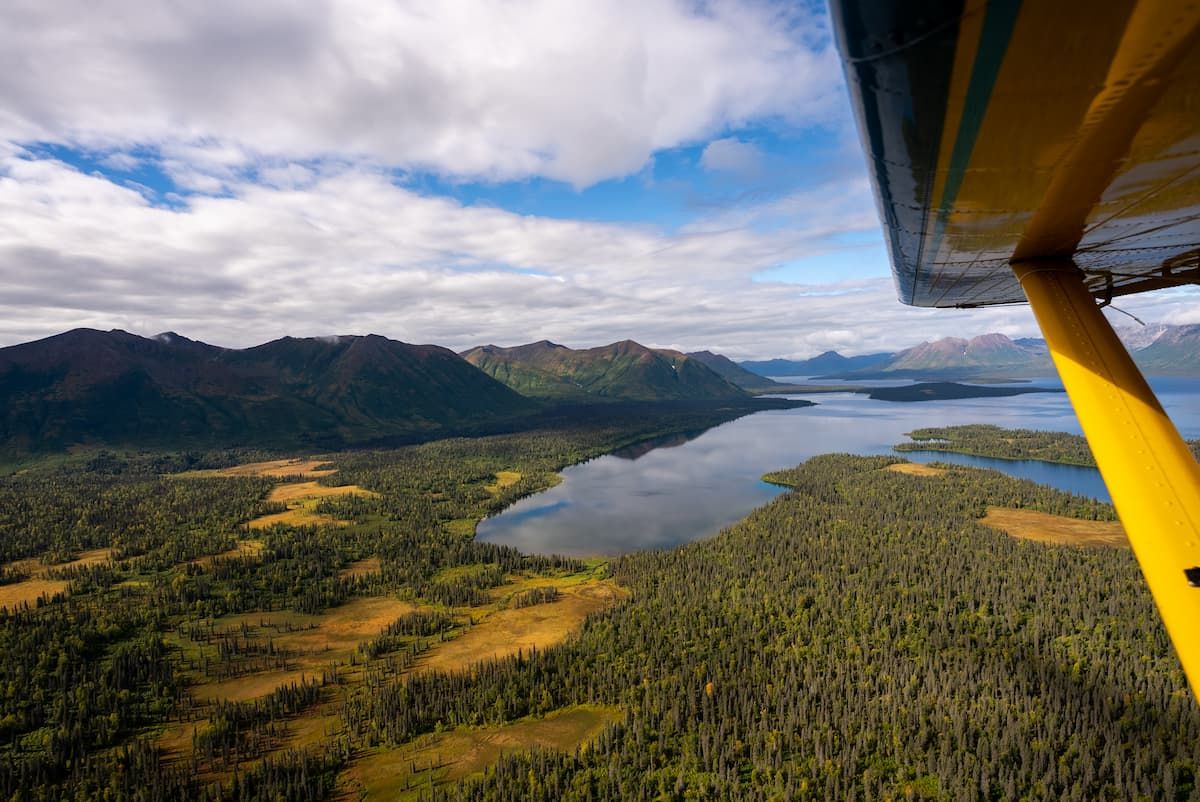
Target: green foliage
983 440
528 598
625 370
861 637
115 388
86 678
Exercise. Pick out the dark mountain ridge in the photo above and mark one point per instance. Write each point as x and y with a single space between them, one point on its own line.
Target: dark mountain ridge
734 373
115 387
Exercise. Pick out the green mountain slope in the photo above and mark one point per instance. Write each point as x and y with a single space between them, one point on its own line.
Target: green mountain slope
622 370
734 373
88 386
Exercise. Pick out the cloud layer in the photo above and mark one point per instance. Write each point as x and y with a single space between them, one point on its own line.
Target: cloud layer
566 90
293 135
350 252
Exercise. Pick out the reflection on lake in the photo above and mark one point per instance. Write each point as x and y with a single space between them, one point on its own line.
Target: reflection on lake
657 495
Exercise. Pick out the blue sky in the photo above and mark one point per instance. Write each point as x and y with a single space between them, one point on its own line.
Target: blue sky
686 174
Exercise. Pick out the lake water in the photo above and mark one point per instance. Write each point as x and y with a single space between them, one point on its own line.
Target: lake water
685 489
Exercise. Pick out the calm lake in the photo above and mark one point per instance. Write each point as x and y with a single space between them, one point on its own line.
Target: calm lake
662 494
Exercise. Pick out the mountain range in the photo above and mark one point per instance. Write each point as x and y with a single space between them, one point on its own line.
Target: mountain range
1159 350
828 362
737 374
1167 350
622 370
86 386
115 387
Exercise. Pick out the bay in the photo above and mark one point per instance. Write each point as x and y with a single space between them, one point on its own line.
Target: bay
663 493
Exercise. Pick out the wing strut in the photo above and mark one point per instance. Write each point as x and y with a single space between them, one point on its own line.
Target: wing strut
1149 470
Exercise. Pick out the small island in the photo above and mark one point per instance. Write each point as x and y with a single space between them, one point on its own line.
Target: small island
943 391
984 440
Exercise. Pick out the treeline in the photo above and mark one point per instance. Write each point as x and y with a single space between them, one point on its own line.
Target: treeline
983 440
55 515
85 678
861 637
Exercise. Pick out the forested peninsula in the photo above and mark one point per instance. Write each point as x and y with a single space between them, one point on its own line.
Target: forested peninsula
984 440
203 628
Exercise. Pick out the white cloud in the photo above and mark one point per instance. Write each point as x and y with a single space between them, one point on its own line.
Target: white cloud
731 155
123 162
577 91
347 251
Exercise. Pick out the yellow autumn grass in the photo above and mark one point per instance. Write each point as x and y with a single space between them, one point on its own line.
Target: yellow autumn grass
1046 528
403 773
39 582
915 469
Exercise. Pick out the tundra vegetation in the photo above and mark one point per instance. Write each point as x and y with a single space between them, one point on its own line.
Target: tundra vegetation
867 635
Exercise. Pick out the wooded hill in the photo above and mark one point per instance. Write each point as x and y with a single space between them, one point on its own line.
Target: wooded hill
114 387
735 374
94 388
622 370
806 653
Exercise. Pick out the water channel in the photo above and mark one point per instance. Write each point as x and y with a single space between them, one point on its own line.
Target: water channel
673 491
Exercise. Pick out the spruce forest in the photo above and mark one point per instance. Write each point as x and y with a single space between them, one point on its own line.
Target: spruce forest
863 636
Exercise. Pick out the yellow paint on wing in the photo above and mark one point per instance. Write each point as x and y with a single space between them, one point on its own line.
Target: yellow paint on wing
1150 472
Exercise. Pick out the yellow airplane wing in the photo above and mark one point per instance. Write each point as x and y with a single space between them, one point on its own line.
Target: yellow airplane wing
1049 151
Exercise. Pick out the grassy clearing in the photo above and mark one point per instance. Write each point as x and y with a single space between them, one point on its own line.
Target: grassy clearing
279 468
915 469
301 499
309 729
410 770
305 491
244 548
503 479
1045 528
29 591
298 516
40 570
501 631
40 582
313 642
335 632
371 565
464 527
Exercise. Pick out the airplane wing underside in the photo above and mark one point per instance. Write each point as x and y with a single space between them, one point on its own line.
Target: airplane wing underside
1007 129
1049 151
